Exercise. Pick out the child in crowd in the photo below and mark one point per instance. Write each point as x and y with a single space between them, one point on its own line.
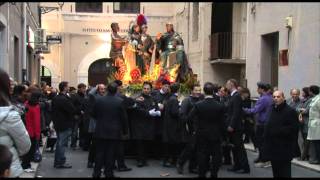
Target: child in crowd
5 161
33 128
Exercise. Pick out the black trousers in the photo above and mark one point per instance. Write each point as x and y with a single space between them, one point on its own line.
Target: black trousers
317 148
189 153
281 169
27 158
92 149
120 154
142 150
105 157
249 131
171 151
157 146
240 157
207 148
259 141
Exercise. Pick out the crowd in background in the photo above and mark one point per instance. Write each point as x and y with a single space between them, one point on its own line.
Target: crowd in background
208 128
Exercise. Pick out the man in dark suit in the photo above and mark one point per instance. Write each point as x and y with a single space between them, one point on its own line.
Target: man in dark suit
280 136
172 128
128 102
208 121
111 127
235 129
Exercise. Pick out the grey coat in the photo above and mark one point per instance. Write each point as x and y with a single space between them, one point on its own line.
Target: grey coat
305 116
14 135
93 95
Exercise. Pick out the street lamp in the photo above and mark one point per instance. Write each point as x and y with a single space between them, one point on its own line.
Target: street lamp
47 9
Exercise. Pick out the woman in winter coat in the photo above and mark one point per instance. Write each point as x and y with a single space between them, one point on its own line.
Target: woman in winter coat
13 133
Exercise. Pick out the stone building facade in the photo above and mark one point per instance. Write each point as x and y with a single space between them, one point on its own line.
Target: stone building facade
13 40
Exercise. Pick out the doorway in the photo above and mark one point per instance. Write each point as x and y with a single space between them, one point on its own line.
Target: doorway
101 72
221 30
269 58
45 75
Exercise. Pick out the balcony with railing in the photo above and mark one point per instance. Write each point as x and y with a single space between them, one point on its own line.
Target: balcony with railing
228 47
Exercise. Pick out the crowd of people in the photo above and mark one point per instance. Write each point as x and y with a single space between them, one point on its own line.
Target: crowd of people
206 129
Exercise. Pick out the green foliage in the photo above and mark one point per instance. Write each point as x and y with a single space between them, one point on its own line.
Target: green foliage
134 89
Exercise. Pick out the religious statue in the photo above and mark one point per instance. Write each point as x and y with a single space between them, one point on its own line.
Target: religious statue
172 55
117 42
146 49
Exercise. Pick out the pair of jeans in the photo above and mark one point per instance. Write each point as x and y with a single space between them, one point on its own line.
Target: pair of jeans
75 134
61 144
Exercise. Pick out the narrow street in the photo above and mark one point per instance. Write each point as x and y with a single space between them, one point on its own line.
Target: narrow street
78 159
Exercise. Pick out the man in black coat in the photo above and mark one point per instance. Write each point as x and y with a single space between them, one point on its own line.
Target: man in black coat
280 136
63 119
172 128
207 117
160 97
143 122
189 139
111 126
81 102
128 103
235 129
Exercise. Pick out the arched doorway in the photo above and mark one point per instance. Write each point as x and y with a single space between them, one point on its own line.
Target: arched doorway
101 71
45 75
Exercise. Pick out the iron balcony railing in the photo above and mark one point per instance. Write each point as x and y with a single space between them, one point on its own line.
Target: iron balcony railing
228 45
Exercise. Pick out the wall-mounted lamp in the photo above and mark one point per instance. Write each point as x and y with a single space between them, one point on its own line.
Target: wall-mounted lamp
46 9
289 22
253 8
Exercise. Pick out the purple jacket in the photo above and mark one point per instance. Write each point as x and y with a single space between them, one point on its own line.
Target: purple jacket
262 108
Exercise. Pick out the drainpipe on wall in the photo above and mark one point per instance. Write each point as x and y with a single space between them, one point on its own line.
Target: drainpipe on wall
24 37
188 31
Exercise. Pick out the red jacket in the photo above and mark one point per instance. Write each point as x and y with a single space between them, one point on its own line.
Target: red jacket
33 120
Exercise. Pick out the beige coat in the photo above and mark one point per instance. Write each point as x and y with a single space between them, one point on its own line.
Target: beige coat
314 119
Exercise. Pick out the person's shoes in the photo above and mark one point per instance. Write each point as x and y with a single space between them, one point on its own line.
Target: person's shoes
29 170
314 162
243 171
266 164
214 175
140 164
193 171
226 163
124 168
179 168
257 160
63 166
259 165
90 165
167 164
233 169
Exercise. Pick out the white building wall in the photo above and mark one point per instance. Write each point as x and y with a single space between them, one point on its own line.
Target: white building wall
304 43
